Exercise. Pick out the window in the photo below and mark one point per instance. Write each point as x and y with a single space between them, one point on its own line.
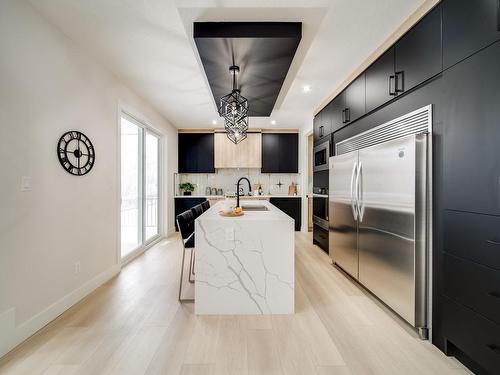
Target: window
140 185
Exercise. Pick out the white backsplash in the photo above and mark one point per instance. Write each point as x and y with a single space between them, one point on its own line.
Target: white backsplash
226 180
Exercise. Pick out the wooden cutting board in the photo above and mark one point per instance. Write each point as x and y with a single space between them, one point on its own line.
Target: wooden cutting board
230 214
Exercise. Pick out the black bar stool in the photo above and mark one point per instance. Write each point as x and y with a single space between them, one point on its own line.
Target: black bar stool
197 210
205 205
185 223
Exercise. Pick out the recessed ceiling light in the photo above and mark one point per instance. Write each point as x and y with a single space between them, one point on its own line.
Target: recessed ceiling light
214 122
307 88
273 122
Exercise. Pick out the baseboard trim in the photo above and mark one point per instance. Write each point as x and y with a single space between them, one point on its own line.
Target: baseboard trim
13 335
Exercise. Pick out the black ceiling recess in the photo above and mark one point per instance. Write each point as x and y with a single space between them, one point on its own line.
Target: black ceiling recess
262 50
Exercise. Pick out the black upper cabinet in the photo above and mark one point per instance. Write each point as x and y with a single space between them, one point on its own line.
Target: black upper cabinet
280 153
196 153
354 100
337 109
471 98
468 26
270 153
380 81
418 52
322 125
289 157
318 127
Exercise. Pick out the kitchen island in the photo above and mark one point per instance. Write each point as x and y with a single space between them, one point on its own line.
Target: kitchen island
245 264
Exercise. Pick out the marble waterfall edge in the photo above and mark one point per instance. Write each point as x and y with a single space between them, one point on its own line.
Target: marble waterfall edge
244 265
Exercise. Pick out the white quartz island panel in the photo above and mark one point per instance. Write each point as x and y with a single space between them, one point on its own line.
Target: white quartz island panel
244 265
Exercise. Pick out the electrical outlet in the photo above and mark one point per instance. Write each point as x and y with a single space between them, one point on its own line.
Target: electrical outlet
229 234
77 268
26 183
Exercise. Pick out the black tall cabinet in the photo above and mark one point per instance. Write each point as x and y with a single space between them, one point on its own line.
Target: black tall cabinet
468 307
450 59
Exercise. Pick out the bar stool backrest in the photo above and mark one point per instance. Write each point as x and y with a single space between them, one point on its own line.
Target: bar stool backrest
185 222
205 205
197 210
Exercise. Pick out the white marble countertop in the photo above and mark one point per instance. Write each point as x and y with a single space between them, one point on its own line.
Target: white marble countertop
265 196
245 264
273 214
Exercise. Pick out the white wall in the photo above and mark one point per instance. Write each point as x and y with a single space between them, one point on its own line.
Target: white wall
48 86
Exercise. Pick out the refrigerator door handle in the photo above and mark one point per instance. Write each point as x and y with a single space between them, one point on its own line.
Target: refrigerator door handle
359 192
354 200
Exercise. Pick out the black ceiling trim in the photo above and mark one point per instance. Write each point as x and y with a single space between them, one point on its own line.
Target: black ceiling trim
247 30
264 52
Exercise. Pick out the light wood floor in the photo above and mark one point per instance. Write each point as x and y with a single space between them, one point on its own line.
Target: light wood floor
134 325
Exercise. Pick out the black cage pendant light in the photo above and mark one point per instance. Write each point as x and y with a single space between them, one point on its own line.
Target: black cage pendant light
234 108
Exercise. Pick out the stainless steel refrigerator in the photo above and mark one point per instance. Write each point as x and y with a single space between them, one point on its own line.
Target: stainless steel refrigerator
378 220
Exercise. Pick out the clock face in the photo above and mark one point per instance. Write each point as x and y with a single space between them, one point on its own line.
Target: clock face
76 153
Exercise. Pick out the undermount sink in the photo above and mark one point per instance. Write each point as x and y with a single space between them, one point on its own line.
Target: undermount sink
254 208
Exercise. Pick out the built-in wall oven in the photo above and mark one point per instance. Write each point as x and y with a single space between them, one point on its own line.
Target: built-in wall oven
320 217
320 207
321 156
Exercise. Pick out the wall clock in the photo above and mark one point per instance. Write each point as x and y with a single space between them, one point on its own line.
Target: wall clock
76 153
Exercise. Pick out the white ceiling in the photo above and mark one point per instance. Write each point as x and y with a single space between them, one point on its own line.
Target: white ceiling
148 44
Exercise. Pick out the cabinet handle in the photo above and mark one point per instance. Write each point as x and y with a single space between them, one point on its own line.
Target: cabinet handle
321 134
348 115
494 348
391 82
399 80
498 15
343 116
493 242
494 294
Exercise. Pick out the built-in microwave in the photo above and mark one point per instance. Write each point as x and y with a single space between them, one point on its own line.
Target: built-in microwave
321 156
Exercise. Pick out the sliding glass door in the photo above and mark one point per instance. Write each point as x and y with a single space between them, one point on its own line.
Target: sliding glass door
140 185
151 190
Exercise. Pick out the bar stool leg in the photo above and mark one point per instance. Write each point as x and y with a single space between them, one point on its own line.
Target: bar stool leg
180 282
191 266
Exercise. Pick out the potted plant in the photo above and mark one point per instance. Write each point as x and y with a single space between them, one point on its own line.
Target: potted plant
188 187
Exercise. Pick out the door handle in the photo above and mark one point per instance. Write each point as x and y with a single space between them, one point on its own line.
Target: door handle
359 188
494 348
493 242
399 80
391 84
498 15
494 294
353 202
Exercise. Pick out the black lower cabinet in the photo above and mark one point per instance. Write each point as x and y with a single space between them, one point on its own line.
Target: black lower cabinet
480 293
184 204
473 237
471 337
292 207
320 237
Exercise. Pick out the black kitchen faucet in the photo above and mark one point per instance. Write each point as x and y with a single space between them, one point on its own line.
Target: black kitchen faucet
238 189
